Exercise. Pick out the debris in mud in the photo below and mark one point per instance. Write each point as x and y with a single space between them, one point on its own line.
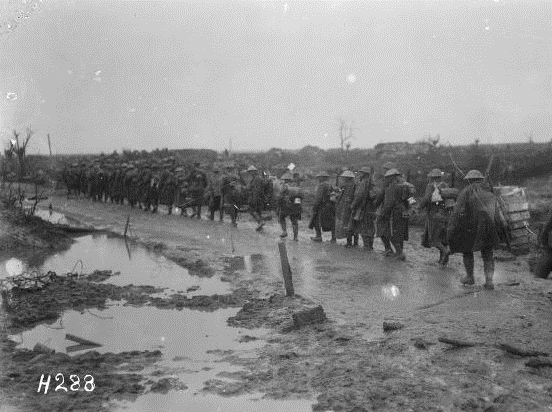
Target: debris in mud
309 316
421 343
247 338
192 288
164 385
273 312
101 275
539 362
458 342
390 326
514 350
224 388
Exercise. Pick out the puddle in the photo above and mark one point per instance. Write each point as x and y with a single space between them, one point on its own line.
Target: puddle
187 401
136 265
185 333
192 344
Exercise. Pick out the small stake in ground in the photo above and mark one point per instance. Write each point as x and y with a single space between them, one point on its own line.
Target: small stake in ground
126 226
286 269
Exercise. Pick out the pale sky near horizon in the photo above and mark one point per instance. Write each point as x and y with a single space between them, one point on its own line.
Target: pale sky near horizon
106 75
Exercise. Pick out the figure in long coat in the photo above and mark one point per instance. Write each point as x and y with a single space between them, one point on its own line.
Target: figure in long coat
323 211
435 232
393 215
256 197
475 225
382 225
344 226
363 208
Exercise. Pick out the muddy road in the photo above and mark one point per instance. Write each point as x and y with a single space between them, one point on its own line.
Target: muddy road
351 284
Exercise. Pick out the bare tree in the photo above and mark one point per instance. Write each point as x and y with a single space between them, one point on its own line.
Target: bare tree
20 148
346 134
529 136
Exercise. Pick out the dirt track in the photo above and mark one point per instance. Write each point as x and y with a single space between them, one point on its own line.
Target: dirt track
350 363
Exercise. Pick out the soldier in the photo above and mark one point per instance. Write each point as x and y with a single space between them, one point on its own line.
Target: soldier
392 214
231 191
215 194
168 187
323 211
544 264
475 225
289 204
146 176
154 188
256 197
197 183
382 226
363 209
345 200
435 233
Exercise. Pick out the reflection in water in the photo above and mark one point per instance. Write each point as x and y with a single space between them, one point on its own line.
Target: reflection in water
390 291
14 267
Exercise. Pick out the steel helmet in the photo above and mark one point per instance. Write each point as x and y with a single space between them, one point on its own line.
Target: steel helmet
322 174
435 173
473 175
364 169
392 172
286 176
389 165
347 173
251 169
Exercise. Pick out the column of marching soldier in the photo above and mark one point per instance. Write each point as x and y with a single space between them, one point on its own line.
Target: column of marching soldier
357 206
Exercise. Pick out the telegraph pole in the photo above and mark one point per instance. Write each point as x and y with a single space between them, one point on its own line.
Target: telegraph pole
49 144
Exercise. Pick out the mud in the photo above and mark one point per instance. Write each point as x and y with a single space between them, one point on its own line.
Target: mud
19 232
22 371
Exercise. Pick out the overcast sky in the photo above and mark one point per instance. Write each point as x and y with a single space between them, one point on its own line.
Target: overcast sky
105 75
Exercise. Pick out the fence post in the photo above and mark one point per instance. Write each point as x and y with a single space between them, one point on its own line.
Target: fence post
286 269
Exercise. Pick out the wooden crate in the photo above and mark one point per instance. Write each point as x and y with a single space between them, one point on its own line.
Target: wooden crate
515 206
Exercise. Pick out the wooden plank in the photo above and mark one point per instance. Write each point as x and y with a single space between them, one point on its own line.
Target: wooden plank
517 225
518 216
520 241
517 207
519 232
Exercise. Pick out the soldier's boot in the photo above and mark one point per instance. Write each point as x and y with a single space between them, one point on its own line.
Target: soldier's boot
333 239
399 254
368 243
469 264
212 216
318 237
387 244
445 251
199 212
295 227
170 209
349 243
355 240
488 268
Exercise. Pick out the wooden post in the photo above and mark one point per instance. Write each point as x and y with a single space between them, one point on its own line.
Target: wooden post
286 269
49 145
126 226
